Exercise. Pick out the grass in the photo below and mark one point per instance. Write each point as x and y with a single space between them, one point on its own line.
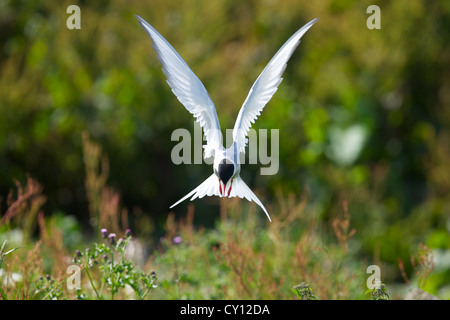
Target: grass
297 256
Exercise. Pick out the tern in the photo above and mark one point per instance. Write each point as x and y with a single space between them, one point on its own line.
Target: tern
190 91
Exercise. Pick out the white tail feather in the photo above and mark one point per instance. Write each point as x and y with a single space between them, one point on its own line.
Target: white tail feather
210 187
241 190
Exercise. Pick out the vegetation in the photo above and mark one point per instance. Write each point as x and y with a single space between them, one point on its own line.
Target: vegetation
86 119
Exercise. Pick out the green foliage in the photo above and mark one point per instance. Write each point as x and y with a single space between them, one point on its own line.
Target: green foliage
363 119
48 288
379 292
115 274
303 291
3 251
215 263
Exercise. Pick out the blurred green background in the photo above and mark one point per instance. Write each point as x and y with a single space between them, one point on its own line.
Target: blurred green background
364 115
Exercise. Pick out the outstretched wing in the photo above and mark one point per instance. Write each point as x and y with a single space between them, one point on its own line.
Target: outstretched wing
264 87
187 87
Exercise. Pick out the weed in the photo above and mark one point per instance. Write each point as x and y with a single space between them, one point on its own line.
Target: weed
379 291
114 270
422 263
303 291
3 251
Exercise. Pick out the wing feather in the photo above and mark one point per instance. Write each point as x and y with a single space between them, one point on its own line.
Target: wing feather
186 86
265 87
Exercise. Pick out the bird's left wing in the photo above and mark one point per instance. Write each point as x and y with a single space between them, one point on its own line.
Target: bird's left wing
189 90
264 88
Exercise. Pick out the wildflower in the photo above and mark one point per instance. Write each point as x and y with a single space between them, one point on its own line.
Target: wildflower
104 233
128 233
112 238
153 274
78 253
303 291
120 242
176 240
380 292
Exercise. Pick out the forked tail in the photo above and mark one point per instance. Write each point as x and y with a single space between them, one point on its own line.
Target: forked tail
211 187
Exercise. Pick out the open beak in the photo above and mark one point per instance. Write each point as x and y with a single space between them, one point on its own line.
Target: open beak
222 188
229 190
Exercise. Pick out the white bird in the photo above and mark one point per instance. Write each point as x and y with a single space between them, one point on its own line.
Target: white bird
225 181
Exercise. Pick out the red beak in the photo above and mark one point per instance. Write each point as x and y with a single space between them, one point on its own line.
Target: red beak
229 190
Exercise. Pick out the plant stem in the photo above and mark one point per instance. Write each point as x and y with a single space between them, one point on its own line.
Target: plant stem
113 282
48 293
92 283
142 296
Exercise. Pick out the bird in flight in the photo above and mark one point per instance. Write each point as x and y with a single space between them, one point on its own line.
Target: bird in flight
225 181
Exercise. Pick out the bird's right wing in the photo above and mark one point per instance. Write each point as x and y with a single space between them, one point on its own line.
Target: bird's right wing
265 87
187 87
